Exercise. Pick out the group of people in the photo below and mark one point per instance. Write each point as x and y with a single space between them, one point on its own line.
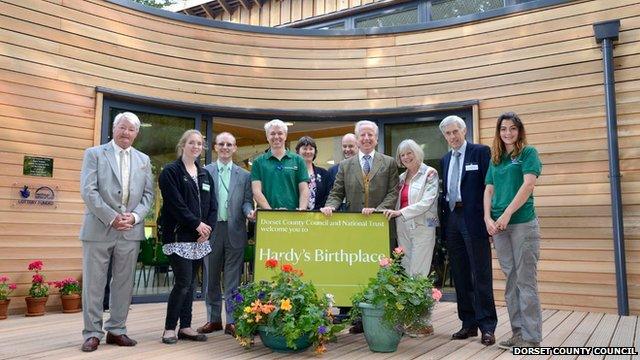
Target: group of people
486 195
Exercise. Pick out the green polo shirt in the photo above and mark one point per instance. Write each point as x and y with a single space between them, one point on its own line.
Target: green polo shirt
507 177
280 178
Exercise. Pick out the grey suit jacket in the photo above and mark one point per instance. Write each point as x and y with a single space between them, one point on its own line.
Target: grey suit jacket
383 184
101 190
239 204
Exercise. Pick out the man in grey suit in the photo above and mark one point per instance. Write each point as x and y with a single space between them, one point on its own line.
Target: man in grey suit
117 188
229 238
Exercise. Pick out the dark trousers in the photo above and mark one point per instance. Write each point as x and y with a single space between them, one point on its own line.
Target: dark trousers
181 298
470 257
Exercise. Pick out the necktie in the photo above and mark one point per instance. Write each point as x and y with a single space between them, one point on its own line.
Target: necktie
366 167
453 182
124 175
223 193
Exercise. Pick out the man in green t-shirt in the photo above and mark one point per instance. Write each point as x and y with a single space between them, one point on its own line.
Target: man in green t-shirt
279 177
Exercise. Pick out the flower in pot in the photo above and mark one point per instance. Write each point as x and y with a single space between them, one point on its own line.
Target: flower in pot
286 312
38 292
5 290
69 294
392 302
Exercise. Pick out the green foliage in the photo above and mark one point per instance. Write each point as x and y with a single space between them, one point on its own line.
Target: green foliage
406 300
287 305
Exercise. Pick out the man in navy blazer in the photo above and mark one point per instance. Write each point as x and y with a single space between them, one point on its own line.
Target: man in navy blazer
464 231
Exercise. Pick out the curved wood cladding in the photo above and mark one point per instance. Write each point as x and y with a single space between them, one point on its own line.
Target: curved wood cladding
543 64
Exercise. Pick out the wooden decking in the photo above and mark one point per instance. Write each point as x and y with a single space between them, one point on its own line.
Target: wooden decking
58 336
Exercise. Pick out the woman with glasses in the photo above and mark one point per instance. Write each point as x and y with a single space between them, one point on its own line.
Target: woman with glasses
319 178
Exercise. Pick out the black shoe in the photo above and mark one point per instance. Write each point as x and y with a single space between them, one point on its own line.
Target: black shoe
488 338
356 328
465 333
199 337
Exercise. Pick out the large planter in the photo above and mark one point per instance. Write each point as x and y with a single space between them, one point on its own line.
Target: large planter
36 306
4 305
278 343
71 303
380 336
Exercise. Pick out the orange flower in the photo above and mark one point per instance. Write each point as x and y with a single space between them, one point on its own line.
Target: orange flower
267 308
271 263
287 268
258 317
255 306
320 349
285 304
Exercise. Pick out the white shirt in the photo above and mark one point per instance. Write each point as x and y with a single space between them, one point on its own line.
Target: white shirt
462 150
117 150
361 158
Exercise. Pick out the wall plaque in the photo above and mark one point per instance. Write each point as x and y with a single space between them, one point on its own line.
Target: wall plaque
37 166
33 195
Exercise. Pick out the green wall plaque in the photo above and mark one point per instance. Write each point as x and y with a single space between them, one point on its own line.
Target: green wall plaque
37 166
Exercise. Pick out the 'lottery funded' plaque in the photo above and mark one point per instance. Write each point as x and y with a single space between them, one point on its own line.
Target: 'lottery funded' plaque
338 254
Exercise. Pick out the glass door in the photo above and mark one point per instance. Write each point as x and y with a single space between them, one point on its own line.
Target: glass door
424 130
159 134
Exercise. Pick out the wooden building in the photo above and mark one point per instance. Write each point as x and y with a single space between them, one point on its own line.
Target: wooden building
67 65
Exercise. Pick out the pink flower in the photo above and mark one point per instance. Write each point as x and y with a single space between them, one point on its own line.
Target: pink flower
37 278
436 294
36 265
13 286
385 261
4 278
399 250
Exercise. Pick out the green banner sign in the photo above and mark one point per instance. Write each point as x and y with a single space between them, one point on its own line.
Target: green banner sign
338 254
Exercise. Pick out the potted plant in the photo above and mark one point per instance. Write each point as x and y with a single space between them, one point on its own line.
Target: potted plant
392 302
286 312
69 294
38 292
5 290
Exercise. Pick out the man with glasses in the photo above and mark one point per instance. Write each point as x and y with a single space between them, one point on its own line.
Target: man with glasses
229 237
279 177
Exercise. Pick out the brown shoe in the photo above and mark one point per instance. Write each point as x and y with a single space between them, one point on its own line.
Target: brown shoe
120 340
91 344
210 327
488 338
230 329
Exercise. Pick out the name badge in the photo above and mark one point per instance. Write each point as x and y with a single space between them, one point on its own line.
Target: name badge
471 167
206 187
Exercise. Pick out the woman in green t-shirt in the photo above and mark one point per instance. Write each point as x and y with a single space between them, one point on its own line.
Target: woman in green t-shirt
512 222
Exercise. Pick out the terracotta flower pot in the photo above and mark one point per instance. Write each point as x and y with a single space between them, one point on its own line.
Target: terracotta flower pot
4 305
71 303
36 306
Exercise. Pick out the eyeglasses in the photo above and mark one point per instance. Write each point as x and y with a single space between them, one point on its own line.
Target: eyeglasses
223 144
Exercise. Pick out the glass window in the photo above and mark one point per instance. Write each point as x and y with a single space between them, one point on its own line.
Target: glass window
426 134
396 18
446 9
335 26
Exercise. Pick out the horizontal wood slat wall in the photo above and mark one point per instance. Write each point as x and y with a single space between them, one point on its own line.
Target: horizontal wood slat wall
543 64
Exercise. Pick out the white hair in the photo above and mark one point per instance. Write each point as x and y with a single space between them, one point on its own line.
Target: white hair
275 123
130 117
409 145
362 123
452 119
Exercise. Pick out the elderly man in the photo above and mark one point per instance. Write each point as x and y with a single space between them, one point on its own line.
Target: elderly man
229 238
369 181
117 188
279 177
465 234
349 148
